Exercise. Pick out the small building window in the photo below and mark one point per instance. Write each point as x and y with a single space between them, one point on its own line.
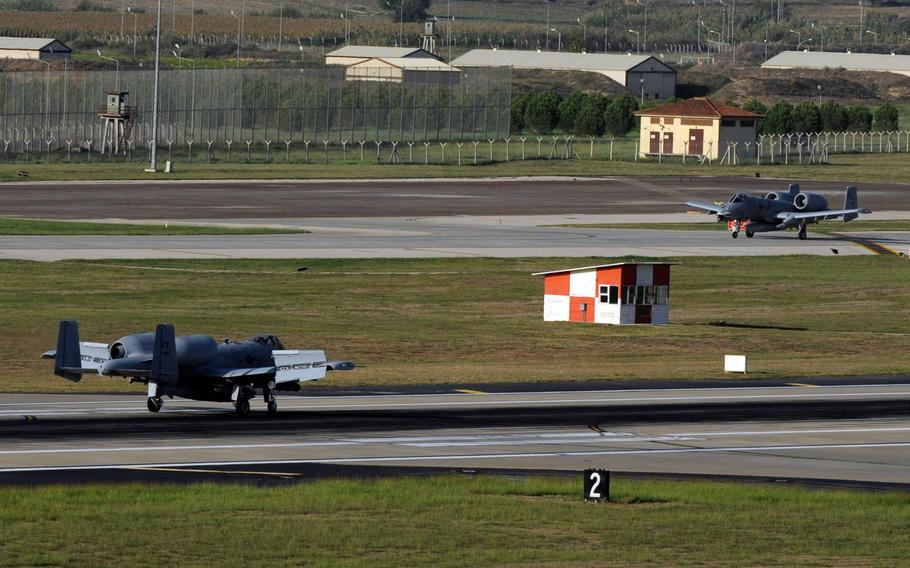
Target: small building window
747 123
609 294
663 295
628 295
728 122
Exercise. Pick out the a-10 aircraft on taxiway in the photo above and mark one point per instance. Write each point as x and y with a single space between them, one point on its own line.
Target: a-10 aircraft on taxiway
778 211
193 366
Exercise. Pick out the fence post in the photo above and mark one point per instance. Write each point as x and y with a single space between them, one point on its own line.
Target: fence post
523 138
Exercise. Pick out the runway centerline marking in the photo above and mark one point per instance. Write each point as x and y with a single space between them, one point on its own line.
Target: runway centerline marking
470 391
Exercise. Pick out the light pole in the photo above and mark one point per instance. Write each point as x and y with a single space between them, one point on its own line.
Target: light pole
803 43
117 63
641 81
766 49
47 93
874 34
193 88
559 39
238 37
584 41
280 23
637 42
821 30
135 26
798 38
819 96
300 47
548 24
122 16
153 166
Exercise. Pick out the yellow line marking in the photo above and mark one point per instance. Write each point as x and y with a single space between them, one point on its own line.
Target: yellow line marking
469 391
596 428
225 471
801 385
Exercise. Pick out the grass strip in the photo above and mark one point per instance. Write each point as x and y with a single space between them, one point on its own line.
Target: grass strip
452 521
424 321
20 227
854 167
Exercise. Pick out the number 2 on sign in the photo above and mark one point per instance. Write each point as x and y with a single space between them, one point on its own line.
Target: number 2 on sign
594 493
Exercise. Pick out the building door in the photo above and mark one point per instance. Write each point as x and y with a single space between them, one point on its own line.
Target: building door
668 143
655 143
642 313
696 141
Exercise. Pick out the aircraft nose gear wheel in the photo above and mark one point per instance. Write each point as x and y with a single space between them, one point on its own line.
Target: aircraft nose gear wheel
242 407
749 234
154 404
734 234
272 407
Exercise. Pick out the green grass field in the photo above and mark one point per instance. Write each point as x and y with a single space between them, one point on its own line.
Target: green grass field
12 227
470 320
852 167
452 521
709 225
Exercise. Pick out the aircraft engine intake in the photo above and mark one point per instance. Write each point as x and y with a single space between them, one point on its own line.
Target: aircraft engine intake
132 345
810 202
778 196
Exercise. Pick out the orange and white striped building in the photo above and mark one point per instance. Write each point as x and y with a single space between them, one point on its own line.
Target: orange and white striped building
621 293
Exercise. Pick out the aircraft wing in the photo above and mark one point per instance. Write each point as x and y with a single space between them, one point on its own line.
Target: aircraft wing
297 365
93 355
819 215
706 205
251 372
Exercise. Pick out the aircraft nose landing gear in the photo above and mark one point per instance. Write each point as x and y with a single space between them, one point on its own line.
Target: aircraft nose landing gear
154 404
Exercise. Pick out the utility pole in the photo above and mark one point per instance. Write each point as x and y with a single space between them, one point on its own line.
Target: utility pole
548 24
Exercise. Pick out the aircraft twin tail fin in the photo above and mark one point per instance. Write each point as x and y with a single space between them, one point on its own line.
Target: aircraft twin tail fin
68 358
851 201
164 356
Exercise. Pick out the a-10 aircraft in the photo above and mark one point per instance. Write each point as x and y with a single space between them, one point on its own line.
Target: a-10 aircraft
193 366
778 211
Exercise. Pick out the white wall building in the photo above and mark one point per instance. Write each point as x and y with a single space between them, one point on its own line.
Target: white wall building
899 64
644 75
351 54
43 48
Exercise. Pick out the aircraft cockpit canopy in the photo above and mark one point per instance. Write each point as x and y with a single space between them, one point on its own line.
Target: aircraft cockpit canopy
269 340
738 198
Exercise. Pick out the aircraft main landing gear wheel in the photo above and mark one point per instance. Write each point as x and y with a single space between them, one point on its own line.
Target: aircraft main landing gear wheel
749 234
272 407
802 235
734 234
154 404
242 407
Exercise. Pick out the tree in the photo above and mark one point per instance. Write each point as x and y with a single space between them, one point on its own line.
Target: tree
834 117
806 118
541 111
568 110
779 119
589 121
407 10
885 118
519 104
859 119
619 117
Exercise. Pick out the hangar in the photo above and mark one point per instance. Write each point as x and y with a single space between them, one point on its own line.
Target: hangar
351 54
43 48
892 63
621 293
403 70
697 127
644 75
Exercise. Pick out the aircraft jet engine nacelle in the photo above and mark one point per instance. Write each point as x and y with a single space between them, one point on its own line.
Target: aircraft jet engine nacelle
778 196
810 202
192 350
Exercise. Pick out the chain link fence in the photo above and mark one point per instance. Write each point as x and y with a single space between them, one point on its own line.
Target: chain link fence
255 110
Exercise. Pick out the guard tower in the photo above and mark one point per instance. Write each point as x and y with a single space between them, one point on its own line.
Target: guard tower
118 122
429 38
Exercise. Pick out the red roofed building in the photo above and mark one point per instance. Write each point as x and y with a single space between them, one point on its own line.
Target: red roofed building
698 127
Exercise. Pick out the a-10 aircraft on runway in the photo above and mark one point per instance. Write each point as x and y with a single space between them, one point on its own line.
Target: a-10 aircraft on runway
193 366
778 211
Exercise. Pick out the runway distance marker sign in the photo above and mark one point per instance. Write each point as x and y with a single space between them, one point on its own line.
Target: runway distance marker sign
597 485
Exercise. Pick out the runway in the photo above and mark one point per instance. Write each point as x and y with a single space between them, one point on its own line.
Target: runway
823 431
432 237
401 198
